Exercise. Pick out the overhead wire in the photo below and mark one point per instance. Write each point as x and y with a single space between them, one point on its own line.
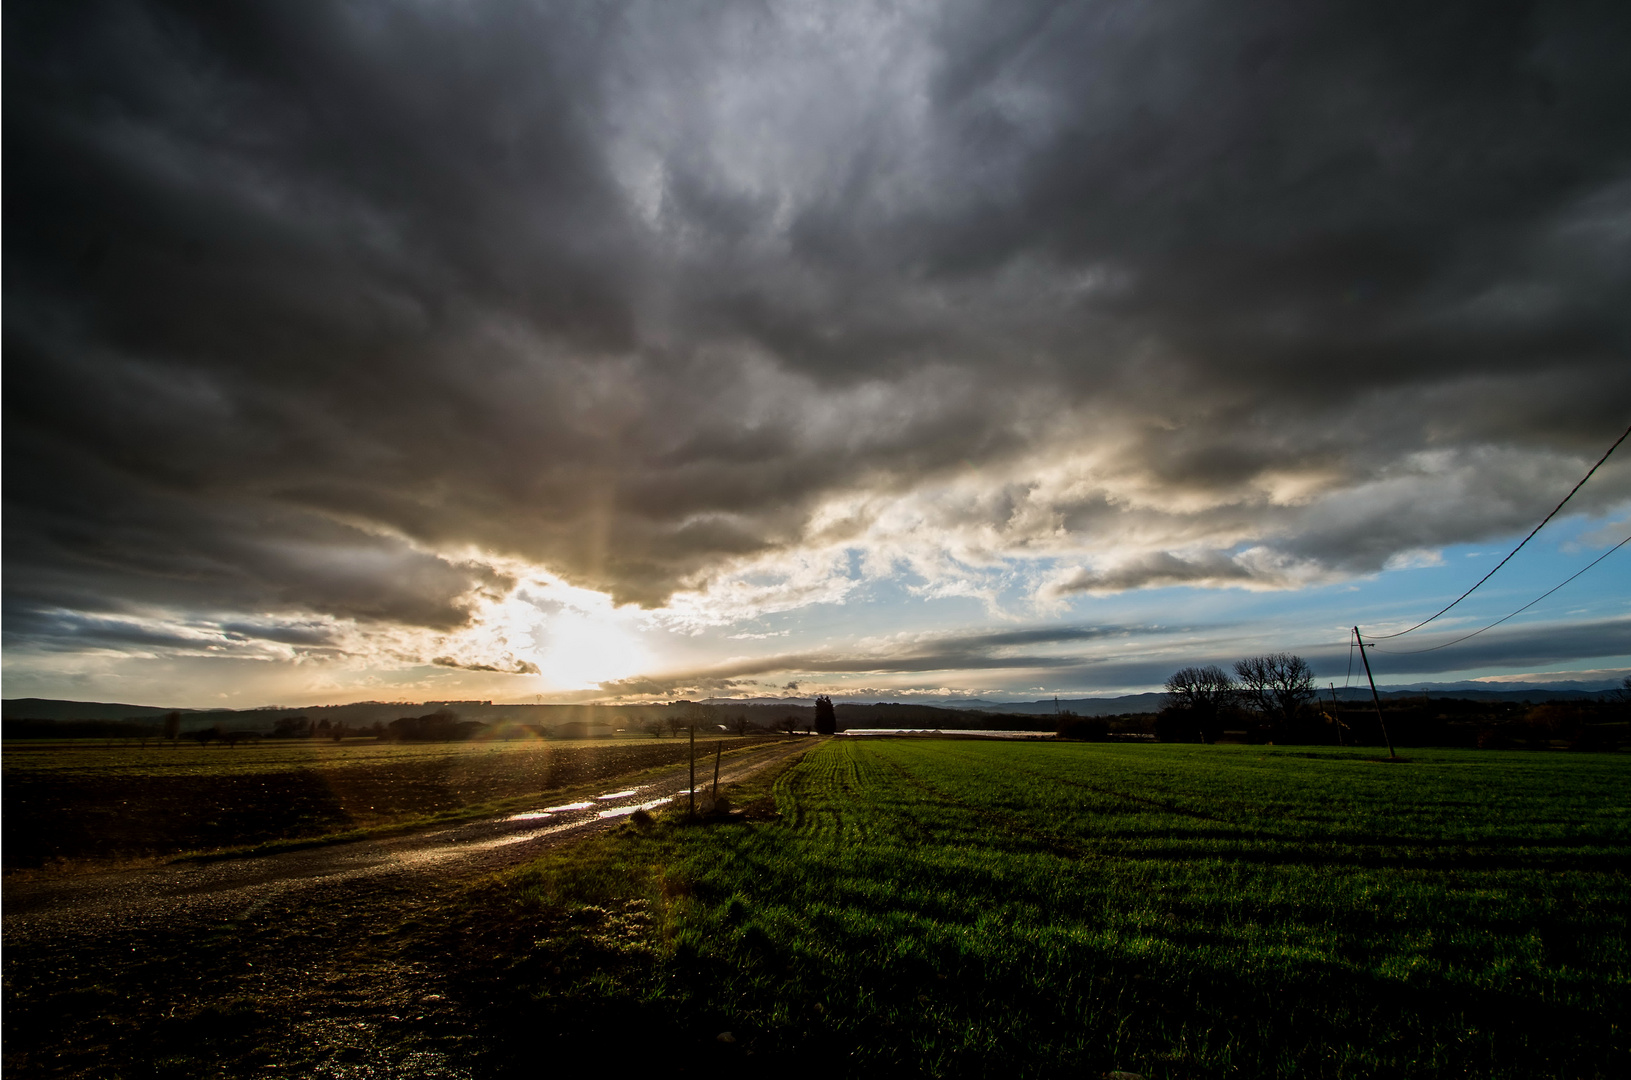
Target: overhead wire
1514 551
1498 622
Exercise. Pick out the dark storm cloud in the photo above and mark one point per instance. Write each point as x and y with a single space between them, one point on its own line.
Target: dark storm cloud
955 656
299 297
519 667
1523 647
937 653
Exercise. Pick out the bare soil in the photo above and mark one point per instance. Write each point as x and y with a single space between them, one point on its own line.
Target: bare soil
106 815
330 962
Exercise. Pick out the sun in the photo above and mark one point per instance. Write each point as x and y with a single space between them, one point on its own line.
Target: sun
578 650
576 638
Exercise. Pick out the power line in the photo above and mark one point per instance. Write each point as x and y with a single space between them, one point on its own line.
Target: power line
1514 551
1526 607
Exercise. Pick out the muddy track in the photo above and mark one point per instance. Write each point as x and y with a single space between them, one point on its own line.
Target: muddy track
102 814
213 891
301 964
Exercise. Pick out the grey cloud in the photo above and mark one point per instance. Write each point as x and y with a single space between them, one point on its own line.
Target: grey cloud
1530 646
1159 568
948 652
299 633
1165 649
98 539
59 631
519 667
628 289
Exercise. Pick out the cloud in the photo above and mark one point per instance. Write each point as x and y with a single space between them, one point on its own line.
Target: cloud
906 654
1106 659
1525 647
721 310
519 667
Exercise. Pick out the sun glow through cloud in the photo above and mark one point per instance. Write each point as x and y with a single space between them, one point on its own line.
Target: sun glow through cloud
572 638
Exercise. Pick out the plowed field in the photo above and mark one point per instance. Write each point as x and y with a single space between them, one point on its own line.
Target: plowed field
66 803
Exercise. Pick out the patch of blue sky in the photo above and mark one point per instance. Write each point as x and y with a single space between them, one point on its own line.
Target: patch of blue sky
1173 626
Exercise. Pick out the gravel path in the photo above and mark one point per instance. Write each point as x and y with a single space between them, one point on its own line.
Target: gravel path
236 888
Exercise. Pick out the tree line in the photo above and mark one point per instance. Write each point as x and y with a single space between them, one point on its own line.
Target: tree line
1273 691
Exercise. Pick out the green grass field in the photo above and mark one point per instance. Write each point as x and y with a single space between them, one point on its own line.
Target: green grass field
964 908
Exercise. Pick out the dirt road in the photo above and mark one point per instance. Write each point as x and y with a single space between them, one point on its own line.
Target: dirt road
213 891
302 964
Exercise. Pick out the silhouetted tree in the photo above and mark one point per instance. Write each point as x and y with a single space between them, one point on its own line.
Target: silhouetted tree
1196 700
740 724
1085 728
172 726
826 720
1277 685
291 727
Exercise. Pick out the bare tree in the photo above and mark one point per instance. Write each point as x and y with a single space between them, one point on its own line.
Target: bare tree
1277 685
1201 694
1207 688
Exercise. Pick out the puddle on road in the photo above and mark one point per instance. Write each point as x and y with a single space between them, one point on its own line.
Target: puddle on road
619 794
522 838
624 811
533 815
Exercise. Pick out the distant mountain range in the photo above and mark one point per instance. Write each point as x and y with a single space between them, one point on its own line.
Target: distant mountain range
363 713
1151 702
1469 691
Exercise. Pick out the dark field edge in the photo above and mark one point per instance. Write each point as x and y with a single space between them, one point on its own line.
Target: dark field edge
90 862
351 983
422 822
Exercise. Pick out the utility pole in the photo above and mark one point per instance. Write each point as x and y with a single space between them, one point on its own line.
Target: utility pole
1336 717
1376 700
693 792
719 751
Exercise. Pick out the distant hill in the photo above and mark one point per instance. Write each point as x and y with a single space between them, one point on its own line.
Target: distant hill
560 719
30 708
762 711
1135 703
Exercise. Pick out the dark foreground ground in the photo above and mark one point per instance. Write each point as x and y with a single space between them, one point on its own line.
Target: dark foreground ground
348 960
85 803
880 907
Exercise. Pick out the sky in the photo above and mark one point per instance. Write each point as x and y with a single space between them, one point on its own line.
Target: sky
601 351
